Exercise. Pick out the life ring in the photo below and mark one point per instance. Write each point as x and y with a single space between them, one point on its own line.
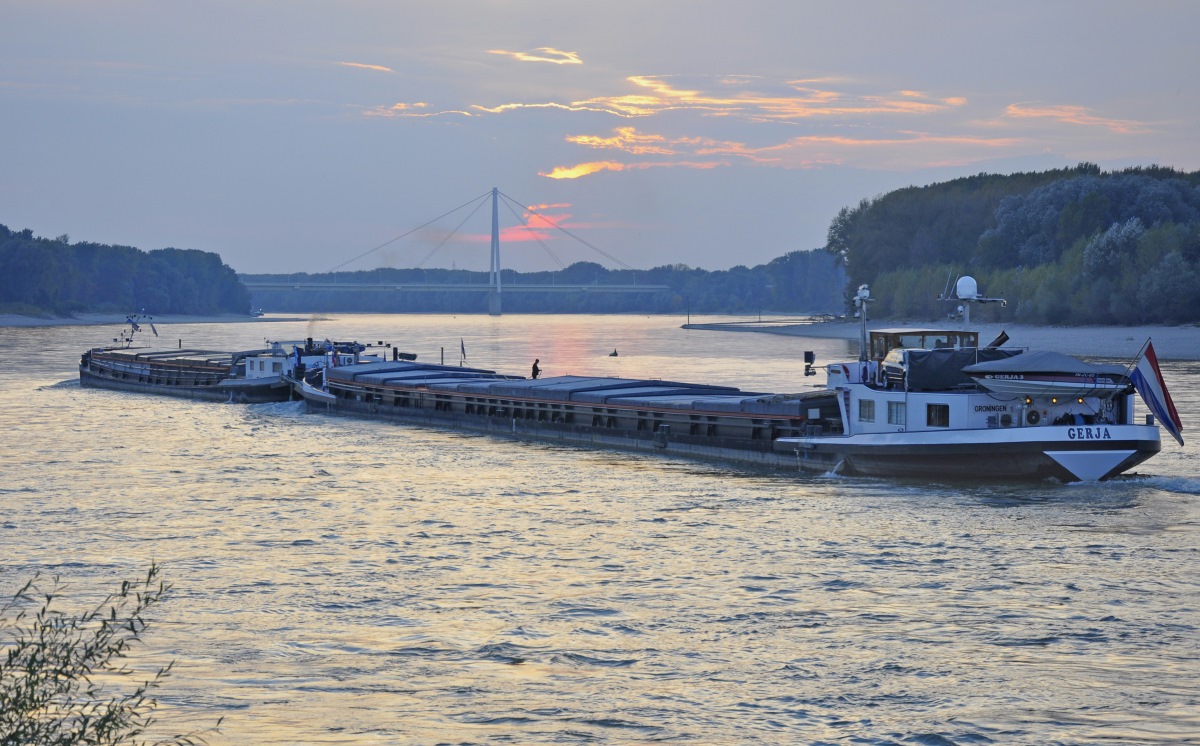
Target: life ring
1033 417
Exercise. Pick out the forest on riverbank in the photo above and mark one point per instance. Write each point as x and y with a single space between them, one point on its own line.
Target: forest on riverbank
52 276
44 276
1071 246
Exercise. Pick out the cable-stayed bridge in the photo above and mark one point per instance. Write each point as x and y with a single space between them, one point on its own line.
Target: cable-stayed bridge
493 287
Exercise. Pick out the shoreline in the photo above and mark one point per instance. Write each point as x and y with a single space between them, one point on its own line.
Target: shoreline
101 319
1110 342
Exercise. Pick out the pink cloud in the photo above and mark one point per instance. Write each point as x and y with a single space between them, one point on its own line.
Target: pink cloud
1074 115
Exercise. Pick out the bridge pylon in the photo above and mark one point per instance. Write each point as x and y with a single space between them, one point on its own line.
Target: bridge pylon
494 295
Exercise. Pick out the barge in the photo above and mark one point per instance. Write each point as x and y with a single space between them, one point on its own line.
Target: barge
918 403
248 376
188 374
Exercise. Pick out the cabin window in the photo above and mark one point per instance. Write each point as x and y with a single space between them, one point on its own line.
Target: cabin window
937 415
276 367
866 410
896 414
879 347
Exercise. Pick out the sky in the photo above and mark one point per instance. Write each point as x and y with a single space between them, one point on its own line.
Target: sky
304 135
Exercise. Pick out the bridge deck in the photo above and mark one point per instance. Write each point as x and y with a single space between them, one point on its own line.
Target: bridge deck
409 287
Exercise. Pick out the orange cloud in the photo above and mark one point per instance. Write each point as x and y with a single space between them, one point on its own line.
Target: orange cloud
586 169
736 96
747 97
1074 115
583 169
627 139
362 66
858 126
542 54
904 149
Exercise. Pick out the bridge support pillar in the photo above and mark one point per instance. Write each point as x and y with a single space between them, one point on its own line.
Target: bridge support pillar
493 303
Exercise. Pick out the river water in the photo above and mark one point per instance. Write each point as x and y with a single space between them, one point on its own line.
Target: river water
349 582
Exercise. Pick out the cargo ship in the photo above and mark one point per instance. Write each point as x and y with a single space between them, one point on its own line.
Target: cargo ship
918 403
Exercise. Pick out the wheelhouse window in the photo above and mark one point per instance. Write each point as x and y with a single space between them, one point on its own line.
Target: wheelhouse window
937 415
896 413
866 410
884 341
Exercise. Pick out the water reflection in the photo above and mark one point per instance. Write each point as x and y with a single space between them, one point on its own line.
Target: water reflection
342 581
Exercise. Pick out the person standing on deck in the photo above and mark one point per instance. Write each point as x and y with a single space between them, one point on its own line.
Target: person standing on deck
536 370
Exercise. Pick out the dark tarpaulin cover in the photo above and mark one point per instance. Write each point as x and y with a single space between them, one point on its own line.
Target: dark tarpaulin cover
936 370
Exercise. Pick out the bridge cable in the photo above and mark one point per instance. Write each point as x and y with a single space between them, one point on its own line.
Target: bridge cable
414 230
533 234
449 236
569 233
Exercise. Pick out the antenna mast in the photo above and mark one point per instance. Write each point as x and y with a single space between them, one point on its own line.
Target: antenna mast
860 302
967 291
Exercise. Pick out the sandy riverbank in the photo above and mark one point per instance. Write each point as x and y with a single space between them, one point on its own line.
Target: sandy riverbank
1116 342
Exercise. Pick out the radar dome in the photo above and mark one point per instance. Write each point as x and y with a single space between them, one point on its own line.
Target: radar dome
967 288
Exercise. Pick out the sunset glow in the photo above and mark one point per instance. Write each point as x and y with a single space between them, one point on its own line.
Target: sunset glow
583 169
320 126
586 169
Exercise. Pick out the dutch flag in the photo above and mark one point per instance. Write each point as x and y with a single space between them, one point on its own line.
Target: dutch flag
1148 381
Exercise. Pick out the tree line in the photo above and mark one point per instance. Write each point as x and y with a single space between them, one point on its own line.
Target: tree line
800 281
54 276
1069 246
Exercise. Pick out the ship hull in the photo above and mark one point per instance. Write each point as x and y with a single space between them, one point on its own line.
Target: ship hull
237 391
1068 453
1014 454
743 451
186 375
